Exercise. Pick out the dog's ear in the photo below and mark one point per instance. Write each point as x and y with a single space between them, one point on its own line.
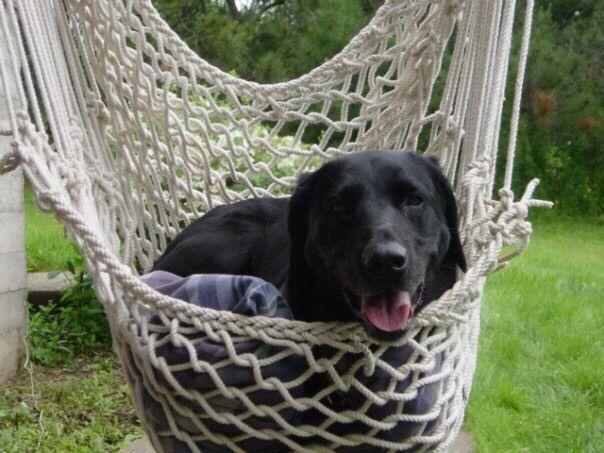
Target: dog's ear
299 205
455 251
432 158
455 248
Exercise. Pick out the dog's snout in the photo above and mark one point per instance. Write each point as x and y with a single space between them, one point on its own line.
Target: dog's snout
386 257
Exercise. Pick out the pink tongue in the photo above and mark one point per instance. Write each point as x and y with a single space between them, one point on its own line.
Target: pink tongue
389 311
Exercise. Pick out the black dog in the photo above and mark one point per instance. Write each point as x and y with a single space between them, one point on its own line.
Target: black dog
369 236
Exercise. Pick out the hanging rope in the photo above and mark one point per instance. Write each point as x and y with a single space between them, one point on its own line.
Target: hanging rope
127 135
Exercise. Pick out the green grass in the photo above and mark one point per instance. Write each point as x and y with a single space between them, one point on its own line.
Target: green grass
45 242
84 407
539 385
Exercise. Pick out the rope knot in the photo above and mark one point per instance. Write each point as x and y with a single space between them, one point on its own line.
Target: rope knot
97 106
521 210
506 198
10 160
495 228
451 129
523 229
369 367
478 172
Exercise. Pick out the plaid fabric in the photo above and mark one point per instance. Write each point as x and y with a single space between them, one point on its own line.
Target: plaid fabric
252 296
242 294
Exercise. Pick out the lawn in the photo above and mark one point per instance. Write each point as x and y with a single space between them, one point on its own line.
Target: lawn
45 243
539 384
83 406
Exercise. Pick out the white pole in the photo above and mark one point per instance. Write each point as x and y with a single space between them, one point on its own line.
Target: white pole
13 273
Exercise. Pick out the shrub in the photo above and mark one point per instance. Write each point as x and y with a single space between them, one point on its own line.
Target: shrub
75 324
561 134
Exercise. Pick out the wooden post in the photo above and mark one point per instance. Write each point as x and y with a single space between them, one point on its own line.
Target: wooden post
13 272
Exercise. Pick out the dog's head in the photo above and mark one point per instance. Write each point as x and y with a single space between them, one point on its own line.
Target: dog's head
378 226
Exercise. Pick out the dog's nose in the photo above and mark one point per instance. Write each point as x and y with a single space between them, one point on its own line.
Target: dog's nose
386 257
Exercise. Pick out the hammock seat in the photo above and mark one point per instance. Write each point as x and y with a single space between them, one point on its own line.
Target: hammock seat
127 136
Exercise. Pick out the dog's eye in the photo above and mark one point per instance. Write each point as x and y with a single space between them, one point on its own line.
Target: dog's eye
338 206
413 200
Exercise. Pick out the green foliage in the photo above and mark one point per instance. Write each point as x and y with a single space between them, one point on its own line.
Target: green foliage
539 385
84 406
75 325
45 245
264 43
561 135
566 10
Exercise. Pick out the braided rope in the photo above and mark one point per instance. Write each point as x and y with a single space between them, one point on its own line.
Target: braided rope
147 136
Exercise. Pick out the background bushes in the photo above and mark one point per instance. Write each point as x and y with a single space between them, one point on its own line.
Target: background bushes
560 138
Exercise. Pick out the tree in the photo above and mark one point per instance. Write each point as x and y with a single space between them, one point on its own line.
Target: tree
561 134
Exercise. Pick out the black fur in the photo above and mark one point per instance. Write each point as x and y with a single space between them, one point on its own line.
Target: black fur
316 246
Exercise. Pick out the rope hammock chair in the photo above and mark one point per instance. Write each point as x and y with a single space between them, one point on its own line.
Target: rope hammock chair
126 135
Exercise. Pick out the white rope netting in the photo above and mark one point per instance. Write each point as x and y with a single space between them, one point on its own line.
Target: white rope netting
127 135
